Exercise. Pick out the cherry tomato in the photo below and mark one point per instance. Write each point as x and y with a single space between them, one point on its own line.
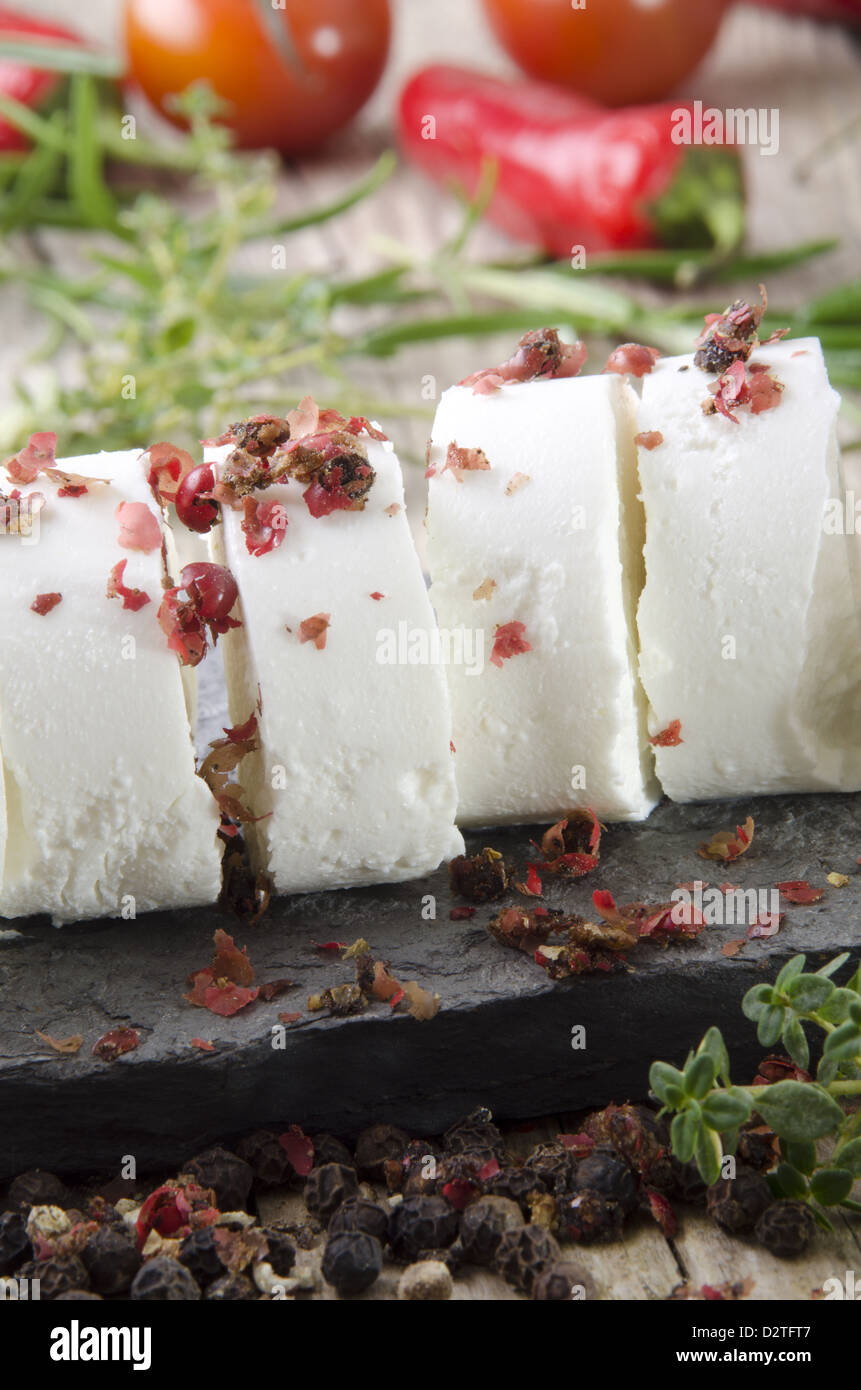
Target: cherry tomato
291 74
30 85
617 51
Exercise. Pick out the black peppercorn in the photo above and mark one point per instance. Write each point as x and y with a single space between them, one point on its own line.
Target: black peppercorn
56 1275
476 1135
419 1169
605 1173
551 1162
233 1288
112 1259
736 1204
518 1184
480 878
282 1251
639 1137
164 1280
15 1245
756 1150
588 1217
361 1214
199 1253
525 1252
327 1187
38 1189
329 1149
377 1144
483 1225
562 1283
786 1228
266 1157
688 1183
421 1223
352 1261
229 1176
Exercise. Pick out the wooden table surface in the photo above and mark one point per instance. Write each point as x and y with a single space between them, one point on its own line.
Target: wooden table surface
812 75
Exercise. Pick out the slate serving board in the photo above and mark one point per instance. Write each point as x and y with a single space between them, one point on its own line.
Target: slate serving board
502 1038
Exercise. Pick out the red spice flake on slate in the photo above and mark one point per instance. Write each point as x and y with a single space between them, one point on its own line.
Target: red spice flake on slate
776 1067
726 845
633 359
377 595
114 1043
649 439
509 641
138 527
314 629
299 1150
480 878
264 525
732 948
134 599
222 987
765 924
28 463
540 355
522 929
272 988
670 737
461 914
68 1046
43 603
798 890
168 466
289 1018
571 846
532 887
333 947
203 1045
210 594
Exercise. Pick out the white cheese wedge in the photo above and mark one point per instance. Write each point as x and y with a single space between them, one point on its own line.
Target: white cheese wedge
101 813
355 770
749 629
549 536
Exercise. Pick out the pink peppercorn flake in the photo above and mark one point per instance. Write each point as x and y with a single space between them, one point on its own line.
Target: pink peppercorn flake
43 603
139 528
39 452
509 641
134 599
315 629
632 359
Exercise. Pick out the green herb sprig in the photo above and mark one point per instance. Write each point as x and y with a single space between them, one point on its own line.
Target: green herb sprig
709 1110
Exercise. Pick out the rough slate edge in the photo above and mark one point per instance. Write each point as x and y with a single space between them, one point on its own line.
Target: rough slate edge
503 1035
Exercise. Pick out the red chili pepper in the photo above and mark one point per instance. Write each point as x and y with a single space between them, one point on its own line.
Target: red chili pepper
26 84
569 172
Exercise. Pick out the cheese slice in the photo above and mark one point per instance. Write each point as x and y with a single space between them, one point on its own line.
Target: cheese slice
748 623
549 536
354 776
101 813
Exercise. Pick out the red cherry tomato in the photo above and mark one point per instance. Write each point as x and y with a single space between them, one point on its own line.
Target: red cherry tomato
32 86
291 74
617 51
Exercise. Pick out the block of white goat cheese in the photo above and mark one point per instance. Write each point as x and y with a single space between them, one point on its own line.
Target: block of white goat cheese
534 548
749 627
353 778
101 812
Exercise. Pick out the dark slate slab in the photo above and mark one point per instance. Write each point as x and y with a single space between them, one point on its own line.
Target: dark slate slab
502 1038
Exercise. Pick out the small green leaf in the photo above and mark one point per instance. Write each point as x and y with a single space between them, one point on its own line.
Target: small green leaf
809 992
798 1110
832 965
854 1006
827 1070
714 1045
700 1075
727 1109
844 1043
770 1025
708 1155
795 1042
668 1084
837 1009
791 1183
792 968
830 1185
801 1153
849 1157
684 1133
756 1001
855 983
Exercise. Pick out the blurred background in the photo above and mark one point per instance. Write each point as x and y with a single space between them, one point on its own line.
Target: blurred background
394 220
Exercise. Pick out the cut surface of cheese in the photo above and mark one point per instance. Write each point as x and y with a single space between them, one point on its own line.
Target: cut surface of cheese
542 548
749 627
101 812
354 775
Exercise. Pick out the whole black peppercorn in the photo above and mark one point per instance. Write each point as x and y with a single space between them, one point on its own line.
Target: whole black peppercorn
605 1173
421 1223
786 1228
419 1169
352 1261
233 1288
56 1275
199 1253
476 1135
282 1251
736 1204
480 878
15 1245
164 1280
483 1225
38 1189
640 1137
327 1187
329 1149
524 1253
377 1144
112 1259
551 1162
229 1176
361 1214
688 1183
562 1283
266 1157
756 1150
518 1184
588 1217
